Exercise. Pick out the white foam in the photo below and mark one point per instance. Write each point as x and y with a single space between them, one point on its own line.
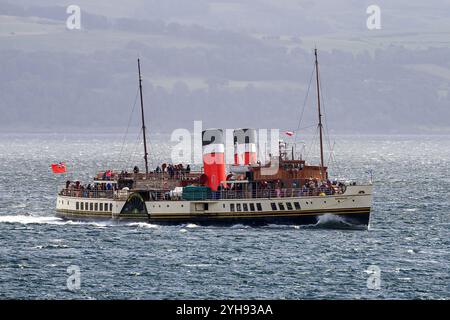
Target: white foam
330 218
143 225
24 219
29 219
192 225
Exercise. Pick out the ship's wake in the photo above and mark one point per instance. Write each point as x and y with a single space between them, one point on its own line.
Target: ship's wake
29 219
332 221
326 221
49 220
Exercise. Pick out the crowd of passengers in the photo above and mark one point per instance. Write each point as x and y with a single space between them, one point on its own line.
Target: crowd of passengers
262 189
173 171
75 188
311 187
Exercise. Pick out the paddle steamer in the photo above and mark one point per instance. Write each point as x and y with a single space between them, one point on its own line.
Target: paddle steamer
284 190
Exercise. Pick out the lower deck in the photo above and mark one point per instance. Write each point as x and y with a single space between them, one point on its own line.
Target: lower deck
354 205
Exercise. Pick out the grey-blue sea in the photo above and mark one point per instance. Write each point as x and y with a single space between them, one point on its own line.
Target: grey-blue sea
408 237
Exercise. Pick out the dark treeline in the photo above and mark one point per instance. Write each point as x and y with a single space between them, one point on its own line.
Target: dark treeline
392 89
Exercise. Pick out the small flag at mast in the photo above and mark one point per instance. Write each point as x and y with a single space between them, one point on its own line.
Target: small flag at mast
289 133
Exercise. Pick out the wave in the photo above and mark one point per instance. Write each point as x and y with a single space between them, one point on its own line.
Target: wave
30 219
27 219
142 225
332 221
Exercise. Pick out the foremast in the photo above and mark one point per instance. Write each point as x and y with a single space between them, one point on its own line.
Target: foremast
143 119
322 173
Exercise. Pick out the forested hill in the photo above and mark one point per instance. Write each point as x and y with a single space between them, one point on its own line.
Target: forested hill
230 64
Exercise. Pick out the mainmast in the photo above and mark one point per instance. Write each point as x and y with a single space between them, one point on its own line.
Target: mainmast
322 173
143 121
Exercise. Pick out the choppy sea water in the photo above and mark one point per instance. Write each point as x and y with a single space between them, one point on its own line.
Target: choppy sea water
408 239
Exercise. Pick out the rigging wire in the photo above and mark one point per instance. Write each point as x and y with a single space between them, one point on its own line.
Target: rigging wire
304 104
133 154
332 158
129 122
312 144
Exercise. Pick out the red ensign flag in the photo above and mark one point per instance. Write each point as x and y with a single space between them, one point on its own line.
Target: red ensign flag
59 167
289 133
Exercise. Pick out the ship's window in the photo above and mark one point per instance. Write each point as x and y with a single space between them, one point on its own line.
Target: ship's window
289 206
223 205
297 205
258 206
82 205
206 206
101 206
91 206
245 206
110 207
232 207
96 206
252 207
238 207
106 207
77 205
273 205
281 205
86 206
168 206
182 205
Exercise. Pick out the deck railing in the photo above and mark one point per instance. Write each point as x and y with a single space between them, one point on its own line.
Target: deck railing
179 175
80 193
241 194
159 195
203 195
